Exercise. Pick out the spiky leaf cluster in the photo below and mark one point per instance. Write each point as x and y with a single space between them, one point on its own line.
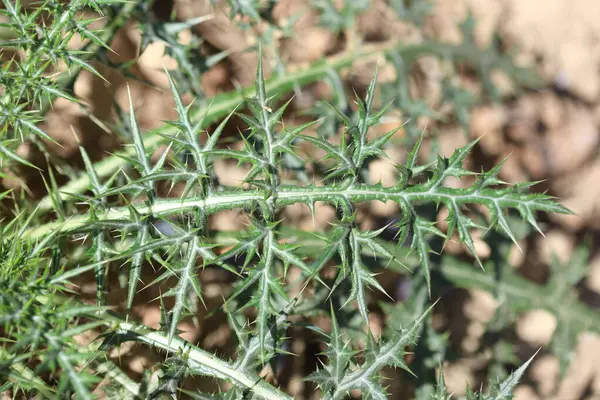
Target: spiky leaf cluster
497 390
38 327
515 295
31 77
342 373
191 64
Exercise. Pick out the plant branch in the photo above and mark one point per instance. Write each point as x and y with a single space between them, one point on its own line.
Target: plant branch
288 195
194 356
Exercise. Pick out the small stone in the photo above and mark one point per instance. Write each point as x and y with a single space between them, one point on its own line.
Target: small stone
579 192
481 306
375 325
492 143
312 44
503 83
482 249
457 377
450 140
536 327
551 110
532 159
522 119
556 243
517 254
544 372
572 144
525 392
188 331
139 364
386 209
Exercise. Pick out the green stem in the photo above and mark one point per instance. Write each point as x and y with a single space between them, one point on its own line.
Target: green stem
222 104
194 356
114 373
288 195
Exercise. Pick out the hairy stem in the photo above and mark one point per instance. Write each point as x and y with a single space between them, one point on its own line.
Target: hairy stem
194 356
288 195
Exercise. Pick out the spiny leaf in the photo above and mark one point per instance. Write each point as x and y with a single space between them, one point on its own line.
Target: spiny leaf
503 391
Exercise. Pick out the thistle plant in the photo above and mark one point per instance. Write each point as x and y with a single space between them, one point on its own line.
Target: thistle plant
139 221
